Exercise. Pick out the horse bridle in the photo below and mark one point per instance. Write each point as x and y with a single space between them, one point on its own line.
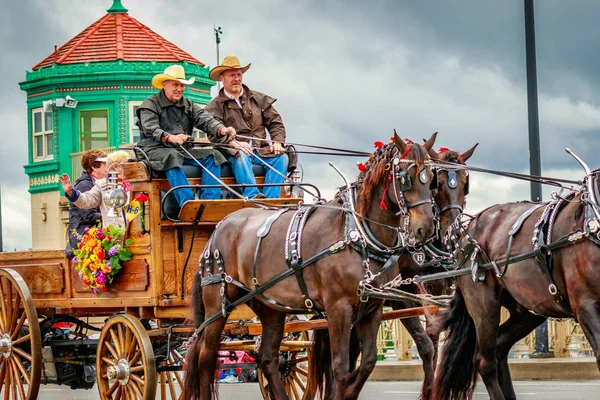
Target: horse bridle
453 184
403 183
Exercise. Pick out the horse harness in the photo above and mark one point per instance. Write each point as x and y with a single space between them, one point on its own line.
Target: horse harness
357 235
543 246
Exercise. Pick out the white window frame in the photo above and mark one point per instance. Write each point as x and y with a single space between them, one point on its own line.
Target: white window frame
46 130
132 117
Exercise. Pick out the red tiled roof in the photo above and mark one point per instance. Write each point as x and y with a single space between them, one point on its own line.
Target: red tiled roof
117 36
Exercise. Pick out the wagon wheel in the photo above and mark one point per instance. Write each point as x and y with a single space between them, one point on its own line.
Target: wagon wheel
125 366
20 346
294 368
170 379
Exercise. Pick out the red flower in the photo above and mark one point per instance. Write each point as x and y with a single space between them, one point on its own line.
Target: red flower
378 144
142 197
361 166
443 149
392 139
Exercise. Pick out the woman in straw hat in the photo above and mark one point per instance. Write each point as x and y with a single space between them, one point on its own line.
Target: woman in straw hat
92 198
166 121
252 114
94 168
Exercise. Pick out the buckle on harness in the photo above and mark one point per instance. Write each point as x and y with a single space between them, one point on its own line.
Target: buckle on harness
552 289
228 278
308 303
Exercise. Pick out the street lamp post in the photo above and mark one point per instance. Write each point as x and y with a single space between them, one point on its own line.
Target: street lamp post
535 164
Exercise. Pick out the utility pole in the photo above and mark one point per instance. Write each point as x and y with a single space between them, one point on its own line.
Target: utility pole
535 163
218 32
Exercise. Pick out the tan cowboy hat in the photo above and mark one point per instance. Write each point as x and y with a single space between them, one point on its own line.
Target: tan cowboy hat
229 62
172 73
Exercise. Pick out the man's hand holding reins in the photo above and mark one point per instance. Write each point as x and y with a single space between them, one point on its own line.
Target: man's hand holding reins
177 139
277 148
229 130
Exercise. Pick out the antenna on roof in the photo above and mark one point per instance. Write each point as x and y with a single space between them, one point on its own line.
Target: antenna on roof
218 32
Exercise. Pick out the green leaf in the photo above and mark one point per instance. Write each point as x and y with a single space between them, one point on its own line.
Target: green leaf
129 242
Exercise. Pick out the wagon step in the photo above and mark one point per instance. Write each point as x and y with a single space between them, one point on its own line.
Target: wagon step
213 211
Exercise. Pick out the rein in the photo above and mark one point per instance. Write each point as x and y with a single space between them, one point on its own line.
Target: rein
532 178
350 152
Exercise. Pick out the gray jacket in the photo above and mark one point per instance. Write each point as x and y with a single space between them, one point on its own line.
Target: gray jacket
157 116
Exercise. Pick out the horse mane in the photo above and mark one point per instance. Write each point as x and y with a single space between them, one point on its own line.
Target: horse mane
378 166
450 156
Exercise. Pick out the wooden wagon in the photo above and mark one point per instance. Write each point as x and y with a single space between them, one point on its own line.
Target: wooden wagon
141 321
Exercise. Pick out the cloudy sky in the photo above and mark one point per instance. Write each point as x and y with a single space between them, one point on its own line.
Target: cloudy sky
348 72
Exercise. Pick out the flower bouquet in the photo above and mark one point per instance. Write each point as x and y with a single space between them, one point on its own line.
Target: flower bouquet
98 257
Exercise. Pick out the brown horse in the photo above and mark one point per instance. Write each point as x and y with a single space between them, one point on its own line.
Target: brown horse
339 251
559 278
449 200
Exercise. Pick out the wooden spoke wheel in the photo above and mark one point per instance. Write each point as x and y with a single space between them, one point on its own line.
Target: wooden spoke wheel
125 366
20 344
293 369
171 382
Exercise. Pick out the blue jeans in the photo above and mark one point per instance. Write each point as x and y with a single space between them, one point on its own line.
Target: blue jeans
242 171
280 164
176 177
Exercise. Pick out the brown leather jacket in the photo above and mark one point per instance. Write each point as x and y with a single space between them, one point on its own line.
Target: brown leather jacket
256 116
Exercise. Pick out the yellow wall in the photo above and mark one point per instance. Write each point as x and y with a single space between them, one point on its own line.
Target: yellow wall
48 229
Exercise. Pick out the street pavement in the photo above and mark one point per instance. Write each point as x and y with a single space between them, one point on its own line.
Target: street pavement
526 390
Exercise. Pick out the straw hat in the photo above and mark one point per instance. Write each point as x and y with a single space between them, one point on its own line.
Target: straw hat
172 73
229 62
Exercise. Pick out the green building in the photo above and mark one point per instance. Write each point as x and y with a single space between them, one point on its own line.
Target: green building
83 96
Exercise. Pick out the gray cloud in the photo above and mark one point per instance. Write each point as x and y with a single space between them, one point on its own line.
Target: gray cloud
347 72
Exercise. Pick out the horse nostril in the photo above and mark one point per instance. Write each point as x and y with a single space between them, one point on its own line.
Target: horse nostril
420 233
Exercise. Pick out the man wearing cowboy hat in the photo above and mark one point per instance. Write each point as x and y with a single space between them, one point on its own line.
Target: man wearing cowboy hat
252 114
166 121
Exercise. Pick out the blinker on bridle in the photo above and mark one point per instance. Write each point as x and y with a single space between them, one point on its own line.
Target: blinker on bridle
402 183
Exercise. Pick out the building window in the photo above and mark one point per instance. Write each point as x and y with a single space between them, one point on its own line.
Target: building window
43 147
134 131
93 129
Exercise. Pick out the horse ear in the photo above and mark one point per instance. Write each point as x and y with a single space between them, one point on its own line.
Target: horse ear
429 146
467 154
399 143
